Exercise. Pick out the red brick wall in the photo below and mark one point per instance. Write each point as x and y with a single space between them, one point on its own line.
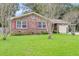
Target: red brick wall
32 25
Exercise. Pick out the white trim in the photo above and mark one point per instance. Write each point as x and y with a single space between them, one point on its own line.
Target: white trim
21 24
42 25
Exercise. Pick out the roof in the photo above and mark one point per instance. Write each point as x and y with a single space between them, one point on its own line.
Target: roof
52 20
16 17
58 21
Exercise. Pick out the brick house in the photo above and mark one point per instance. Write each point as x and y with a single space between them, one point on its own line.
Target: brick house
32 23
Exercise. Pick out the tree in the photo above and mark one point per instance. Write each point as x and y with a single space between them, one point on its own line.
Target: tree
6 11
50 10
72 16
57 10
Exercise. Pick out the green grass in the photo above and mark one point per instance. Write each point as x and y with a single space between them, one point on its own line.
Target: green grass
39 45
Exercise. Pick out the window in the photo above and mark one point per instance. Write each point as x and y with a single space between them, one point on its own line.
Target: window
33 17
41 25
21 24
18 24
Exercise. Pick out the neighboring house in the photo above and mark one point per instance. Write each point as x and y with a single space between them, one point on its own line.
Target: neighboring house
34 23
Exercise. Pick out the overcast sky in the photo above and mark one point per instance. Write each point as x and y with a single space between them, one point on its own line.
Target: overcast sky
22 9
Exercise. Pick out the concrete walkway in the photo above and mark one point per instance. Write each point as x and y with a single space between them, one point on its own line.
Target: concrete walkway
76 33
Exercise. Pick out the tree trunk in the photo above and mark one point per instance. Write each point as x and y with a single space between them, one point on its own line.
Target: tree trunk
4 31
49 30
73 29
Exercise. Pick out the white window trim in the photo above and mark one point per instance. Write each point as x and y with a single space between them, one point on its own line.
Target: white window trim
21 25
42 26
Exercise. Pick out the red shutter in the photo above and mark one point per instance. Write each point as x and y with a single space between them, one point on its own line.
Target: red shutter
14 24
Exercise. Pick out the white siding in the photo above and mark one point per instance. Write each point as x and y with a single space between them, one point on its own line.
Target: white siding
63 28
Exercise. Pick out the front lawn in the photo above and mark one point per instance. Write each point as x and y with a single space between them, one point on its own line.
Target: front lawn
35 45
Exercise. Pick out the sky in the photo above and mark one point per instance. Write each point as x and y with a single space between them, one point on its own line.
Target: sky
22 9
